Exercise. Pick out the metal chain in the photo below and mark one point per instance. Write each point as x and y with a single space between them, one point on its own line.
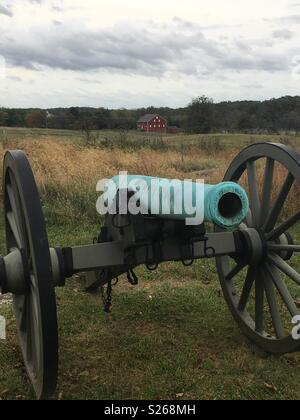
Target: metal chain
132 278
107 295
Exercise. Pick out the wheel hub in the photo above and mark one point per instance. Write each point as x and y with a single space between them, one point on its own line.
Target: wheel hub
13 274
285 239
2 277
254 246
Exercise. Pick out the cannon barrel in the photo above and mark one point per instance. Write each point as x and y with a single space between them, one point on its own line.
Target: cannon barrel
225 204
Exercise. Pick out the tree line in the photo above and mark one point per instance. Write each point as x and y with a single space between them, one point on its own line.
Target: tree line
201 115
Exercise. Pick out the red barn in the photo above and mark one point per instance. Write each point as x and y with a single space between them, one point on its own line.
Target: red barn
152 123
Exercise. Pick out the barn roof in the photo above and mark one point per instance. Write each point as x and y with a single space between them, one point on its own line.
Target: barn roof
148 117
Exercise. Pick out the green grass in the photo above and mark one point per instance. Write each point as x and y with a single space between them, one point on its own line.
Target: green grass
21 133
194 165
134 140
170 337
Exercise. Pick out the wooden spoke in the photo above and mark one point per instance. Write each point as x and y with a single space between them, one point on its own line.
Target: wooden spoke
253 192
284 227
16 213
259 304
280 248
235 271
282 289
247 288
279 203
284 267
14 228
267 190
271 299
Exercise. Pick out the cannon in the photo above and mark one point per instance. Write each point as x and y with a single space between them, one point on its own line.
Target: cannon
252 235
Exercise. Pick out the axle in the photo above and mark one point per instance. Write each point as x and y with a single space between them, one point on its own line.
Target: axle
246 245
15 272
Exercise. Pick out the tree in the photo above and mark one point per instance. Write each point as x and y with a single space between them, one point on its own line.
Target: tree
102 117
87 123
36 119
3 118
200 115
15 118
75 111
61 119
123 119
246 122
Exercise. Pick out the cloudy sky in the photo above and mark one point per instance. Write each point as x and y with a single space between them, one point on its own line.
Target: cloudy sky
132 53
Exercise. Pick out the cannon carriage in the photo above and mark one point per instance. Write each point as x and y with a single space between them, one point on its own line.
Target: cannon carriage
254 243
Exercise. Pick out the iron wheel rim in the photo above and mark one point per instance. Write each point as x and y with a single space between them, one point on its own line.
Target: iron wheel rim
35 311
268 272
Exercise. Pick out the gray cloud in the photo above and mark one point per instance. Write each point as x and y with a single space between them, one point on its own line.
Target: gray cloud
89 81
283 34
291 20
119 48
146 49
295 5
5 11
56 5
15 78
255 60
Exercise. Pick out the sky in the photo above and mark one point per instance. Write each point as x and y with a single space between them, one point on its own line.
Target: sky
138 53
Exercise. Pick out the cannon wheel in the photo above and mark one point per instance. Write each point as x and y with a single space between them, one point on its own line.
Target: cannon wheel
265 297
35 311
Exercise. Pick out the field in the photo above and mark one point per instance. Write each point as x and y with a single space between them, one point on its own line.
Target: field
171 337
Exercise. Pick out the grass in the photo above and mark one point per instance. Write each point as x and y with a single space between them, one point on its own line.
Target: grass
169 338
194 165
172 336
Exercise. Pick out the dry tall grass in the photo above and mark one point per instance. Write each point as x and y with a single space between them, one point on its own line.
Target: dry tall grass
64 161
67 172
